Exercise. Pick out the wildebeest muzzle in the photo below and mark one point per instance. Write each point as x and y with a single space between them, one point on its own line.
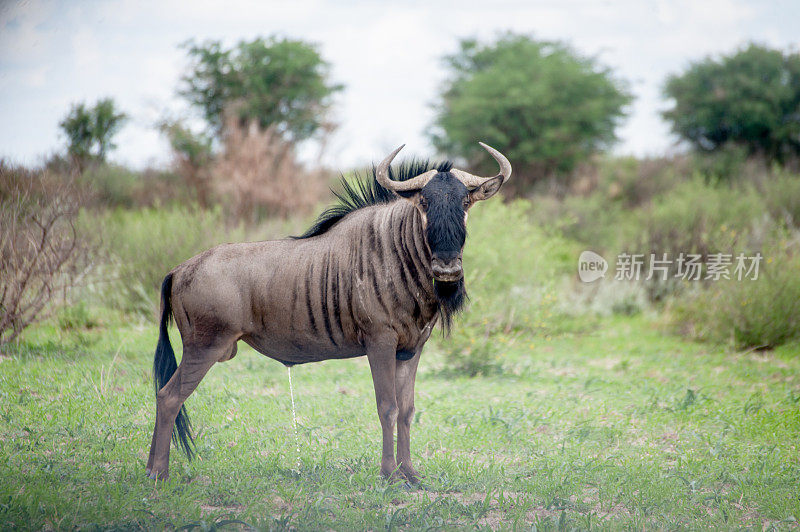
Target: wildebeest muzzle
447 270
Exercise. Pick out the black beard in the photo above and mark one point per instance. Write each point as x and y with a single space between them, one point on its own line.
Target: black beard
450 298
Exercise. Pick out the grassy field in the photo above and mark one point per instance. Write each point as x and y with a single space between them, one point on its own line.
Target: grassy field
553 405
619 425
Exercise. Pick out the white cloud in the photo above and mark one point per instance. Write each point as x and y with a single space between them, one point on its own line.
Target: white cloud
35 77
22 37
86 49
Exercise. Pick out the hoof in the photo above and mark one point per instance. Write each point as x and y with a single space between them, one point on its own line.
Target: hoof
411 476
393 477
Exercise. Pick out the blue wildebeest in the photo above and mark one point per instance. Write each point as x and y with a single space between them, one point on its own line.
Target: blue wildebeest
370 277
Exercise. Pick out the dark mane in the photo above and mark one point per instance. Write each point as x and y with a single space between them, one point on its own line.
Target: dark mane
363 191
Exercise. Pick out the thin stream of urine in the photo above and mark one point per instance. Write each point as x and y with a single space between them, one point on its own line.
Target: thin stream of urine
294 415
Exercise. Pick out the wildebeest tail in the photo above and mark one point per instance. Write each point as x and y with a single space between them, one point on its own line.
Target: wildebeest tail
164 366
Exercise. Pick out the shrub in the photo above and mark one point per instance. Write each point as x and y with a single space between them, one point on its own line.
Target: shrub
762 313
111 185
723 164
512 268
609 297
602 212
143 246
781 193
540 103
595 221
506 252
42 256
76 317
192 155
747 99
471 352
258 173
697 217
635 182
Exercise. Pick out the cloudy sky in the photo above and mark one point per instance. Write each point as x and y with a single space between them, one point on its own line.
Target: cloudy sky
387 54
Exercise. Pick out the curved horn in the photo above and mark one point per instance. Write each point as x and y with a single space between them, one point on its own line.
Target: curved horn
472 181
415 183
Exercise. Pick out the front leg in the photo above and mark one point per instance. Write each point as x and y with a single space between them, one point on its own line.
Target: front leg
381 356
405 375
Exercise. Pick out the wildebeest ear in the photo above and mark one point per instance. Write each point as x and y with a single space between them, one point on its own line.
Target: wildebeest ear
487 189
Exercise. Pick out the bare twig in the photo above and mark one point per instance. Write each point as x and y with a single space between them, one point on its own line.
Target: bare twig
41 253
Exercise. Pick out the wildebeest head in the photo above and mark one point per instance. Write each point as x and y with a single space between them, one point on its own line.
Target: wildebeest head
443 199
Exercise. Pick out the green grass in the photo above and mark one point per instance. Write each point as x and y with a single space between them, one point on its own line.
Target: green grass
616 426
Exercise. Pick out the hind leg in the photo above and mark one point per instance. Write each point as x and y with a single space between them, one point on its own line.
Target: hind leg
152 447
193 367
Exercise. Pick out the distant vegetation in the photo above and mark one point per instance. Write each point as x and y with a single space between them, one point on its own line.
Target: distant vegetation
551 110
748 100
90 131
276 82
544 106
259 99
674 206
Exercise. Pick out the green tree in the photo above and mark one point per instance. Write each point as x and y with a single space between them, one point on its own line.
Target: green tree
540 103
281 83
750 100
90 130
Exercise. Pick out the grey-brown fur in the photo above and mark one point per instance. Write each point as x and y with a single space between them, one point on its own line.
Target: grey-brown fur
363 287
313 299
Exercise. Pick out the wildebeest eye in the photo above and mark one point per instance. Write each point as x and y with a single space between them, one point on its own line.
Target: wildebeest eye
466 203
423 203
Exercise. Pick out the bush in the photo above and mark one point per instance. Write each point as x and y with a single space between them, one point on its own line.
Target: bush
513 271
697 217
595 221
192 154
723 164
510 263
258 175
76 317
606 298
472 352
607 198
143 246
747 99
540 103
781 194
633 182
42 256
762 313
644 207
111 185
